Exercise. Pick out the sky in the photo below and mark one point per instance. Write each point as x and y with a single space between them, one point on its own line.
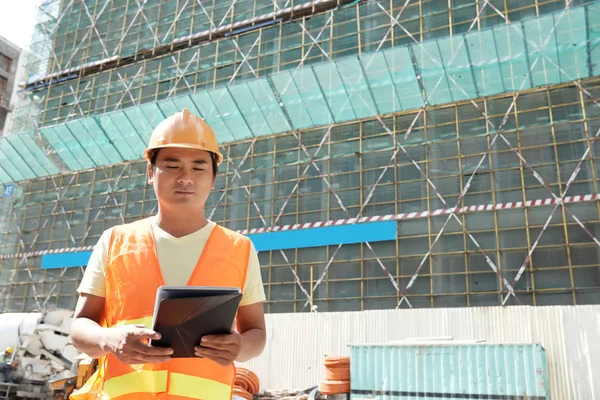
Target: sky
17 20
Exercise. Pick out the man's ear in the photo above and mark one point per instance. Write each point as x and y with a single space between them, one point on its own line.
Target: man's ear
150 170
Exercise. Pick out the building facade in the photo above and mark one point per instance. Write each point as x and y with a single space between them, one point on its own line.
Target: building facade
10 56
380 154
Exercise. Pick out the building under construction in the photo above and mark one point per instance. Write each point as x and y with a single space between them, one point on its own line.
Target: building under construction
380 154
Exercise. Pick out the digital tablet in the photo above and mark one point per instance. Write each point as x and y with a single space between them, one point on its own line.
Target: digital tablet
183 314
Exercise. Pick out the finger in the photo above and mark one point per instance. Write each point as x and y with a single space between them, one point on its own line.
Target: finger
144 333
131 356
214 345
217 339
149 350
212 353
220 359
212 338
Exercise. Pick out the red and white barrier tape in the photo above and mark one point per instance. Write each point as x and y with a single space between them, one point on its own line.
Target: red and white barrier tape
378 218
424 214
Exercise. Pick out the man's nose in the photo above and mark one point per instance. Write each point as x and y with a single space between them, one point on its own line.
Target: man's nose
185 178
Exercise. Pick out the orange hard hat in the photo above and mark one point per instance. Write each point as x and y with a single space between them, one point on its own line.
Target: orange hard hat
186 130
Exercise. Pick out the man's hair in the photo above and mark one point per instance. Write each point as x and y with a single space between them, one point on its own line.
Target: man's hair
213 158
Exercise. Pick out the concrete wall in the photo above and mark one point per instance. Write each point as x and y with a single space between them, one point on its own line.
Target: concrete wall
19 77
12 51
297 343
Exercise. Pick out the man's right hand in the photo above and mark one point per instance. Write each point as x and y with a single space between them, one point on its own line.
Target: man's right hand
130 345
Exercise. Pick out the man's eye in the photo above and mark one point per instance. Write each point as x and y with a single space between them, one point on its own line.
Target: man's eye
199 169
171 167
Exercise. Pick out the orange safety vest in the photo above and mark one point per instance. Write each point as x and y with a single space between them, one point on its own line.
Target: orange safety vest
132 279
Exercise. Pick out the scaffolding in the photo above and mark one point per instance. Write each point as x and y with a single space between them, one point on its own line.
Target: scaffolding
29 107
496 120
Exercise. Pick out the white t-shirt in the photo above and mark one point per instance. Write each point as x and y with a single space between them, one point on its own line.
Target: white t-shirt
181 255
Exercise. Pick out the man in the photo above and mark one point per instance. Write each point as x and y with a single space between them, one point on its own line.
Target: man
178 246
5 367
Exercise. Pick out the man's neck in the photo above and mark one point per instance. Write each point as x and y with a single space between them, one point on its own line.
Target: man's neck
179 224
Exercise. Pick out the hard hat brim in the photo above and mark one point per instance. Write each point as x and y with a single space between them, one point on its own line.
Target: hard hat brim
149 151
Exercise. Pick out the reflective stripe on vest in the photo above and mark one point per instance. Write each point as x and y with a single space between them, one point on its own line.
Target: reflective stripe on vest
154 382
132 279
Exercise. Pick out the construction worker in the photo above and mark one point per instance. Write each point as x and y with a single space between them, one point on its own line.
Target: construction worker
5 367
177 246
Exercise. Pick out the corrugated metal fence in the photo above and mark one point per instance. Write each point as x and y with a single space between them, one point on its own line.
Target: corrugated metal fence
449 371
297 343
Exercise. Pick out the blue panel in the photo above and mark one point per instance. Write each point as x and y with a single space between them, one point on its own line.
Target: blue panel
8 190
301 238
66 260
331 235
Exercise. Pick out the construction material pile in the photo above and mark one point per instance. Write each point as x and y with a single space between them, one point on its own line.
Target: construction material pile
337 376
246 384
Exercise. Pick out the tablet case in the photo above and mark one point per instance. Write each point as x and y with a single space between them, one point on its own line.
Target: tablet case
183 320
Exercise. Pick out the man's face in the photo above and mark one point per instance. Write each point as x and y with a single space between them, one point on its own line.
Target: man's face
182 177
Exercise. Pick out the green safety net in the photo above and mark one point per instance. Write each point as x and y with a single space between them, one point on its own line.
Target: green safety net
21 159
552 49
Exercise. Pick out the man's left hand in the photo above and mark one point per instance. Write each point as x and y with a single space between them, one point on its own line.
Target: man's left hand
222 349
